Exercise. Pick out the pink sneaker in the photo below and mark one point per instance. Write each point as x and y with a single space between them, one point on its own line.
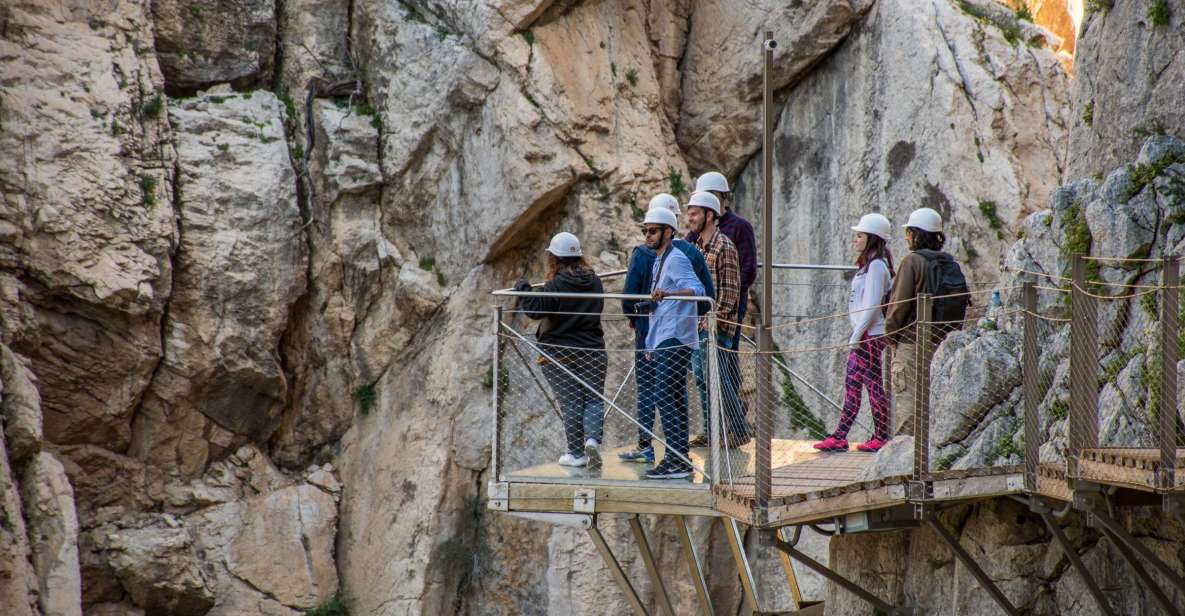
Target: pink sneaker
832 444
871 445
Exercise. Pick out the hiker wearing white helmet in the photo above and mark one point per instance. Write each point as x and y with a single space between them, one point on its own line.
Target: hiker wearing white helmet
638 281
703 214
671 338
871 283
926 269
738 230
571 335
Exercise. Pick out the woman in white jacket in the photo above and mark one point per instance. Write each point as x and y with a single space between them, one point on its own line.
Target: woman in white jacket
869 288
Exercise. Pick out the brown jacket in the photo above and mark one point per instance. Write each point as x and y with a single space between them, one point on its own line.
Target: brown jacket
907 285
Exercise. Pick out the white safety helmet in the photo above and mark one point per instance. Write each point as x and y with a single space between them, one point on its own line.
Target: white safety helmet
564 244
874 224
925 219
663 200
704 200
712 180
661 216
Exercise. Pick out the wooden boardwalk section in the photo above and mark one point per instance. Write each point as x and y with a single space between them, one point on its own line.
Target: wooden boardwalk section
808 486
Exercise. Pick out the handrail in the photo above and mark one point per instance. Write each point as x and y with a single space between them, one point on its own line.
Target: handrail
631 296
785 266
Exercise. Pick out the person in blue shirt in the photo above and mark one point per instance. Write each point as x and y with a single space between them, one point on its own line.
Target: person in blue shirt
638 282
671 338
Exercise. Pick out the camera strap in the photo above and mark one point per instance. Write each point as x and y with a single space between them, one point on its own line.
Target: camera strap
661 264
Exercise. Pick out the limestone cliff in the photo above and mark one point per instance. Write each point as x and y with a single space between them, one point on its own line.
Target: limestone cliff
246 248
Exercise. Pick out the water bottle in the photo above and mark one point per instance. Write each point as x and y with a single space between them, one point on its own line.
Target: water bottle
993 312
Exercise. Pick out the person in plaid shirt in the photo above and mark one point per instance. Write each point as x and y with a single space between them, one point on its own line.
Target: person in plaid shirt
703 214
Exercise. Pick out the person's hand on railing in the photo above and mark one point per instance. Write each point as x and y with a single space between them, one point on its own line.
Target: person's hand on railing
658 295
522 285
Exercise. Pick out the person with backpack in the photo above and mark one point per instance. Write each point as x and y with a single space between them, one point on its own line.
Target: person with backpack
570 335
865 303
926 269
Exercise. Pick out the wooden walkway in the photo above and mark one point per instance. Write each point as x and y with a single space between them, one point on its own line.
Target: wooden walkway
808 486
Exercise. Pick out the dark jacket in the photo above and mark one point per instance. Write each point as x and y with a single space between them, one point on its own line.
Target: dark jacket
559 327
741 233
638 280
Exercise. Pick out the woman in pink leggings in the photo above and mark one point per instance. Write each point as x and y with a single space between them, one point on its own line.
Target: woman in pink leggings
869 289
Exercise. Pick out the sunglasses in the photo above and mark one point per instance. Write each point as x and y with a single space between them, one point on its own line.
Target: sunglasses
651 231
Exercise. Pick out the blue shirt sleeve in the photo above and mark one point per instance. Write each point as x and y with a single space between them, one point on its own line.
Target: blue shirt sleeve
682 276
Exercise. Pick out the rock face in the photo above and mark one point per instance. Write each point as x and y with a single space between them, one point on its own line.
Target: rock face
53 531
720 117
225 41
86 217
1128 84
239 269
914 568
859 135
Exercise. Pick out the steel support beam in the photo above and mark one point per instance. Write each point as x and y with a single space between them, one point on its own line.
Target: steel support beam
1116 529
660 590
1075 560
1141 572
791 575
693 566
836 578
736 541
985 582
615 569
1169 328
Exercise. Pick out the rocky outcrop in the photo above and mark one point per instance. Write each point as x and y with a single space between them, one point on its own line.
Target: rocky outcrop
19 586
86 217
224 41
53 535
719 125
1128 75
239 269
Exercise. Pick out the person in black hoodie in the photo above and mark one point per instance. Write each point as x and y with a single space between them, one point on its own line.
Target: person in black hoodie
570 335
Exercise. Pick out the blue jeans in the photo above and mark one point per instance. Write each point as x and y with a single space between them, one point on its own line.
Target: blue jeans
582 408
726 363
645 385
671 360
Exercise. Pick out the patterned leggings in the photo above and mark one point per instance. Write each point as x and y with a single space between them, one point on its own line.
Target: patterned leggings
864 370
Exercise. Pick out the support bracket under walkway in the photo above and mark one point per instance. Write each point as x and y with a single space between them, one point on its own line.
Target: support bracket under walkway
789 548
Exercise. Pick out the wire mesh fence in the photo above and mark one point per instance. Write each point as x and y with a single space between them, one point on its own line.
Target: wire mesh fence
1039 369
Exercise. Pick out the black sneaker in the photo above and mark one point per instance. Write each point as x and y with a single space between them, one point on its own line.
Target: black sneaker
670 470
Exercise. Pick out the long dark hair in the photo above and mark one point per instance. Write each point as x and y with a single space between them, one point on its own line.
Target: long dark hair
557 265
875 247
926 240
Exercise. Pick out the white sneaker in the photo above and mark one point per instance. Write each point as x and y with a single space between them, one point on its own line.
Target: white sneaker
571 460
592 442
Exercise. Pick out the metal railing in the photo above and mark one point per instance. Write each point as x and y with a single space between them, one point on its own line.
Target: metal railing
1041 370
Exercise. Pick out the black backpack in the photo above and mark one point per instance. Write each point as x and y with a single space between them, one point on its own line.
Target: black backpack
944 278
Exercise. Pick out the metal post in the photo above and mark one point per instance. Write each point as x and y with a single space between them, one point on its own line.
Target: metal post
1169 327
1031 386
495 450
1084 362
693 566
715 412
615 569
921 389
660 590
985 582
736 541
763 459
